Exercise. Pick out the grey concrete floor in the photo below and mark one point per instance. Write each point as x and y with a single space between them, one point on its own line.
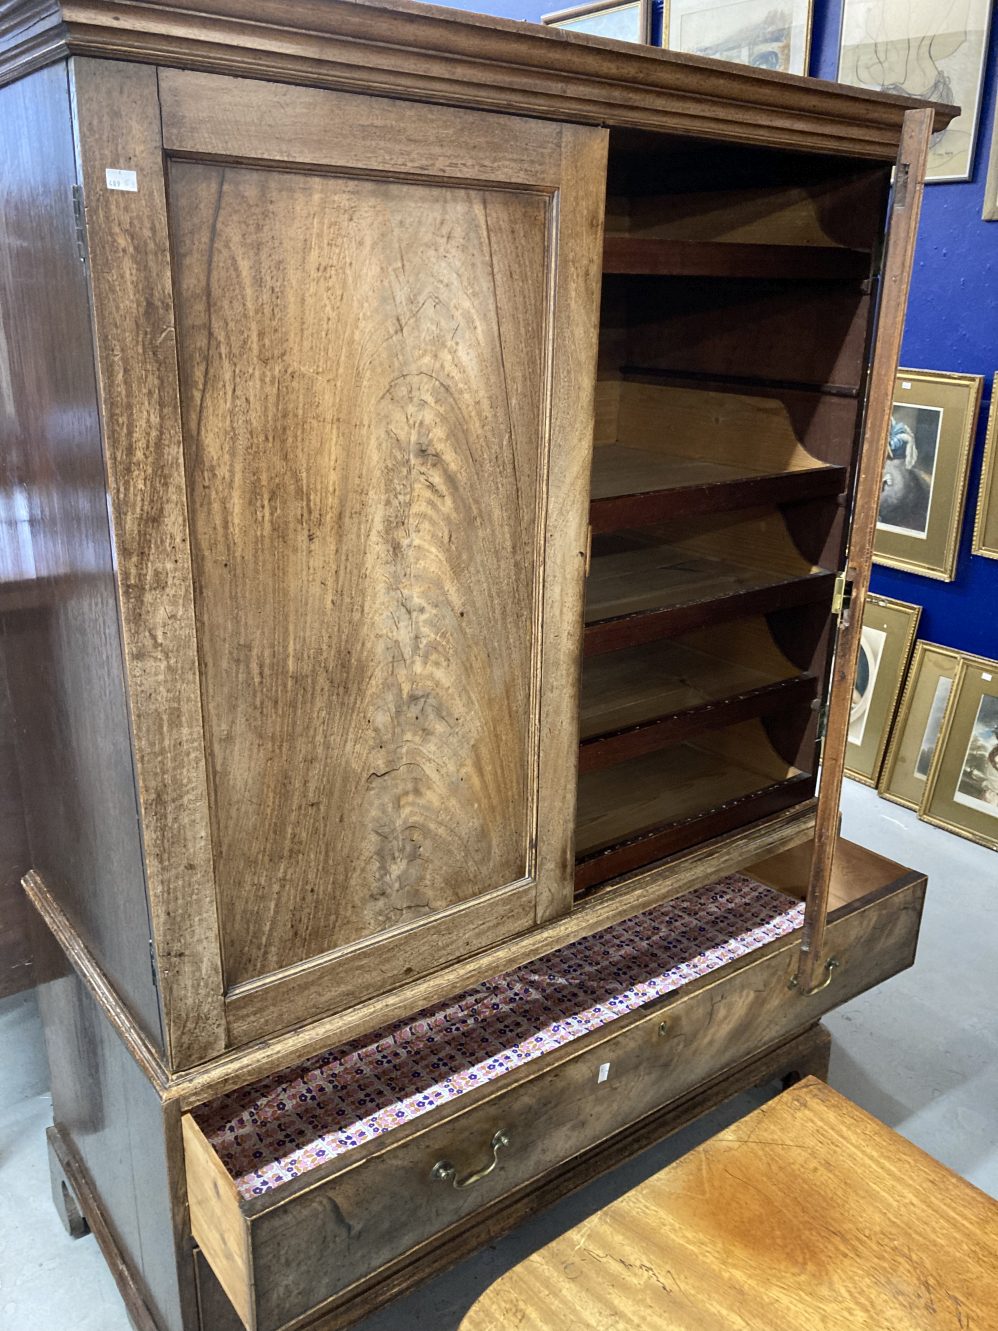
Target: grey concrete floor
920 1052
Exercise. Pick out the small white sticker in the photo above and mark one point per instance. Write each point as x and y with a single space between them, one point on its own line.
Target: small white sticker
984 676
118 179
905 383
604 1072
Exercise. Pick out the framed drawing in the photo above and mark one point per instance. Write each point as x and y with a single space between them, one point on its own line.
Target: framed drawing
769 34
962 791
986 520
625 22
919 721
925 471
889 629
926 48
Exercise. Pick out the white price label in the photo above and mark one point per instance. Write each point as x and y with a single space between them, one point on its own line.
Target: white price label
119 179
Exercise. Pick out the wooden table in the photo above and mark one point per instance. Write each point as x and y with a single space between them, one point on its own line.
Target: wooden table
808 1215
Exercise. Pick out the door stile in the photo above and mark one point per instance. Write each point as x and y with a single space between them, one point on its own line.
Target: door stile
117 129
575 347
906 202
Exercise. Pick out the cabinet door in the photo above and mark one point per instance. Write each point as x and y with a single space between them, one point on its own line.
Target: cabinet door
366 510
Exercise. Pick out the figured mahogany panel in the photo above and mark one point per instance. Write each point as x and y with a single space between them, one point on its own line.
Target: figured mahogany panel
363 366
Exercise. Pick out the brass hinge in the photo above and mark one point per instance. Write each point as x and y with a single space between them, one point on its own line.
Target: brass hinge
81 237
842 598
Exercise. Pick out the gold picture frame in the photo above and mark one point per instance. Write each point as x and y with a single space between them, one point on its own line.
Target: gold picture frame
619 20
990 210
985 540
962 790
918 724
926 463
887 637
742 31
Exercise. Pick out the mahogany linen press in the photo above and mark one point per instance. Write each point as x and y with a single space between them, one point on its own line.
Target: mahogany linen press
441 458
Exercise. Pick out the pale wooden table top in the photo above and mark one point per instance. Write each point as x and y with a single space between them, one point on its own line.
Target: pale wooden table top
808 1215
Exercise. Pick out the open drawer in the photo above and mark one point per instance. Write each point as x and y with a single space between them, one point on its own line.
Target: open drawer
297 1236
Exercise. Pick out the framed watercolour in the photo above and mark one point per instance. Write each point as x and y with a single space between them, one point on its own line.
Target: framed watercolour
919 721
625 22
962 791
926 48
889 629
769 34
986 520
925 471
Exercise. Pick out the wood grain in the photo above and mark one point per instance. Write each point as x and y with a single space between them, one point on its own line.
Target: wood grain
61 640
117 114
905 209
415 50
385 524
681 782
314 1236
879 1235
656 256
802 1055
216 1223
363 508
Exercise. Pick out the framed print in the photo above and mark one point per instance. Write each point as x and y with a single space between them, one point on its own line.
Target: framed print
986 519
925 471
919 721
926 48
889 629
769 34
990 210
962 791
627 22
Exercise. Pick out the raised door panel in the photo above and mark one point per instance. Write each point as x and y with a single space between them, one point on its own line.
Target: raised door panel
362 374
384 319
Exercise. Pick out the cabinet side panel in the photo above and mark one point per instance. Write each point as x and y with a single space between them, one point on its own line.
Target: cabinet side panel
60 617
115 1125
15 952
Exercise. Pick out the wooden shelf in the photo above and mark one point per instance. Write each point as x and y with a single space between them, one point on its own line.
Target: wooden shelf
646 698
654 591
648 808
637 486
651 256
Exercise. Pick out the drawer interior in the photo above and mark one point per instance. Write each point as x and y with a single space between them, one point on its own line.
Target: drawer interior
301 1166
859 876
318 1111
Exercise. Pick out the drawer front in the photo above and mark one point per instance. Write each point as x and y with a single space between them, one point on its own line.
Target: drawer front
307 1243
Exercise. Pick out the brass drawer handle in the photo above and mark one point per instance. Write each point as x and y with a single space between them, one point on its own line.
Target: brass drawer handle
445 1171
831 966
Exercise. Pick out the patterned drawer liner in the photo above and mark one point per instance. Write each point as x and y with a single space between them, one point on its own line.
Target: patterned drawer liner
299 1118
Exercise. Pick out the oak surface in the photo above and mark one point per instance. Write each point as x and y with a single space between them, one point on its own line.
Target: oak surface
807 1213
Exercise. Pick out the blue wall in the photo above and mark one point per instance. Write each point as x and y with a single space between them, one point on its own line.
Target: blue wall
952 325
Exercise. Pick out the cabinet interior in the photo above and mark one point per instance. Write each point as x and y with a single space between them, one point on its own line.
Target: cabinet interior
739 288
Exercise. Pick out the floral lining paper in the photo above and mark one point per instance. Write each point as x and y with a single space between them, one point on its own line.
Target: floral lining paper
302 1117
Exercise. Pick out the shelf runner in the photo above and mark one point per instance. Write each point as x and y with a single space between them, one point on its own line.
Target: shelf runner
305 1116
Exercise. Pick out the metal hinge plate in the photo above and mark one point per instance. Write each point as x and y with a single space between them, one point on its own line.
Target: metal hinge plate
81 235
842 598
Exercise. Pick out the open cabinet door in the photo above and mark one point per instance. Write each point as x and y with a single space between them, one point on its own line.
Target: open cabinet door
365 509
906 203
